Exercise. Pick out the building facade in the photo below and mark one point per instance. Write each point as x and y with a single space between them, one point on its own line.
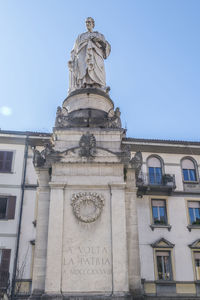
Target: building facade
167 218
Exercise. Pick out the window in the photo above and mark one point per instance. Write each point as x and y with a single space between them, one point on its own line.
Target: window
194 212
163 253
3 207
189 170
4 267
195 246
197 264
164 268
6 161
155 170
7 207
159 212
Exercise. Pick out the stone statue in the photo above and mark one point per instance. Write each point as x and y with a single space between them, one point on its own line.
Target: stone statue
86 67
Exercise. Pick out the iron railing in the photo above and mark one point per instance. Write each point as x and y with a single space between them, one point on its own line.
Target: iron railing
166 180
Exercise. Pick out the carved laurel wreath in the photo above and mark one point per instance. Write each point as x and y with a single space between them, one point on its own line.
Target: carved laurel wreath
80 200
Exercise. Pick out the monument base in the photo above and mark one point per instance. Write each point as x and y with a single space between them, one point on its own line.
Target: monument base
125 296
92 297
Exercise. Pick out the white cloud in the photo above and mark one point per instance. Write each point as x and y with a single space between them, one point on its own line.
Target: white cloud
5 111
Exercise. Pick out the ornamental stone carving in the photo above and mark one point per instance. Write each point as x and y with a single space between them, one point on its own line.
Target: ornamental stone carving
87 145
39 158
87 207
87 118
136 161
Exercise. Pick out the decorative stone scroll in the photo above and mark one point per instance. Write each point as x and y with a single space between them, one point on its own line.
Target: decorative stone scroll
87 207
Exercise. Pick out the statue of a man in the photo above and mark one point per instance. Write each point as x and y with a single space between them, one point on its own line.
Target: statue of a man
86 66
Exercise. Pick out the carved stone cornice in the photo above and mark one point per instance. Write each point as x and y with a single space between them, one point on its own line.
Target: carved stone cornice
57 185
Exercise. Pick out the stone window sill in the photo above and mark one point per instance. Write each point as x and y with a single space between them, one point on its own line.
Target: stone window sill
154 226
190 227
167 282
190 182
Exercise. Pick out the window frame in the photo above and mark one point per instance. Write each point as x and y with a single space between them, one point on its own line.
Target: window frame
12 161
161 168
5 266
154 225
5 197
195 169
173 274
163 245
194 265
190 225
194 213
170 259
158 210
195 247
10 207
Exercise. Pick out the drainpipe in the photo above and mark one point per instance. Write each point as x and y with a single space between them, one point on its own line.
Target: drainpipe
111 240
20 220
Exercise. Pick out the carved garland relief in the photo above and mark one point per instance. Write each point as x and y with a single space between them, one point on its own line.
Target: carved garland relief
87 207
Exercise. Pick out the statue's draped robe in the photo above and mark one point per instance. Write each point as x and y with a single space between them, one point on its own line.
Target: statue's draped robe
87 61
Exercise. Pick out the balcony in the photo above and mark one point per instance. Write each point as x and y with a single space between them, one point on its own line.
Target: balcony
155 184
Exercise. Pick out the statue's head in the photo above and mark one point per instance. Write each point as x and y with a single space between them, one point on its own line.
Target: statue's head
90 24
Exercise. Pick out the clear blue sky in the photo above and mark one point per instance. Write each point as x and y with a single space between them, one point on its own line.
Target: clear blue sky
153 69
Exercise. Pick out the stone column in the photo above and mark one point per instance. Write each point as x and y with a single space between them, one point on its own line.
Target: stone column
54 253
39 267
132 233
118 239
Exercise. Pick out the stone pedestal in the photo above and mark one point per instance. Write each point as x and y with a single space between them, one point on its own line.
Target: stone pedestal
91 256
87 253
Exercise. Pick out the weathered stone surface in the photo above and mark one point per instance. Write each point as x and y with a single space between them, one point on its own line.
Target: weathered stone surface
88 98
87 254
39 268
88 108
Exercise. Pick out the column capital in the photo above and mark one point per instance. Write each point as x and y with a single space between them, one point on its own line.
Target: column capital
58 185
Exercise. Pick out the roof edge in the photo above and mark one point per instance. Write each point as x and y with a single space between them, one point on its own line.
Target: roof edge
158 141
26 133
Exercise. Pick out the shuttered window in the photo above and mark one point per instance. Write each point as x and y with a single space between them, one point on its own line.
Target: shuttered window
7 207
4 267
6 161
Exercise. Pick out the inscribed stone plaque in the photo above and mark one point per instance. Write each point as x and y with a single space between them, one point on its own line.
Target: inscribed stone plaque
87 263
